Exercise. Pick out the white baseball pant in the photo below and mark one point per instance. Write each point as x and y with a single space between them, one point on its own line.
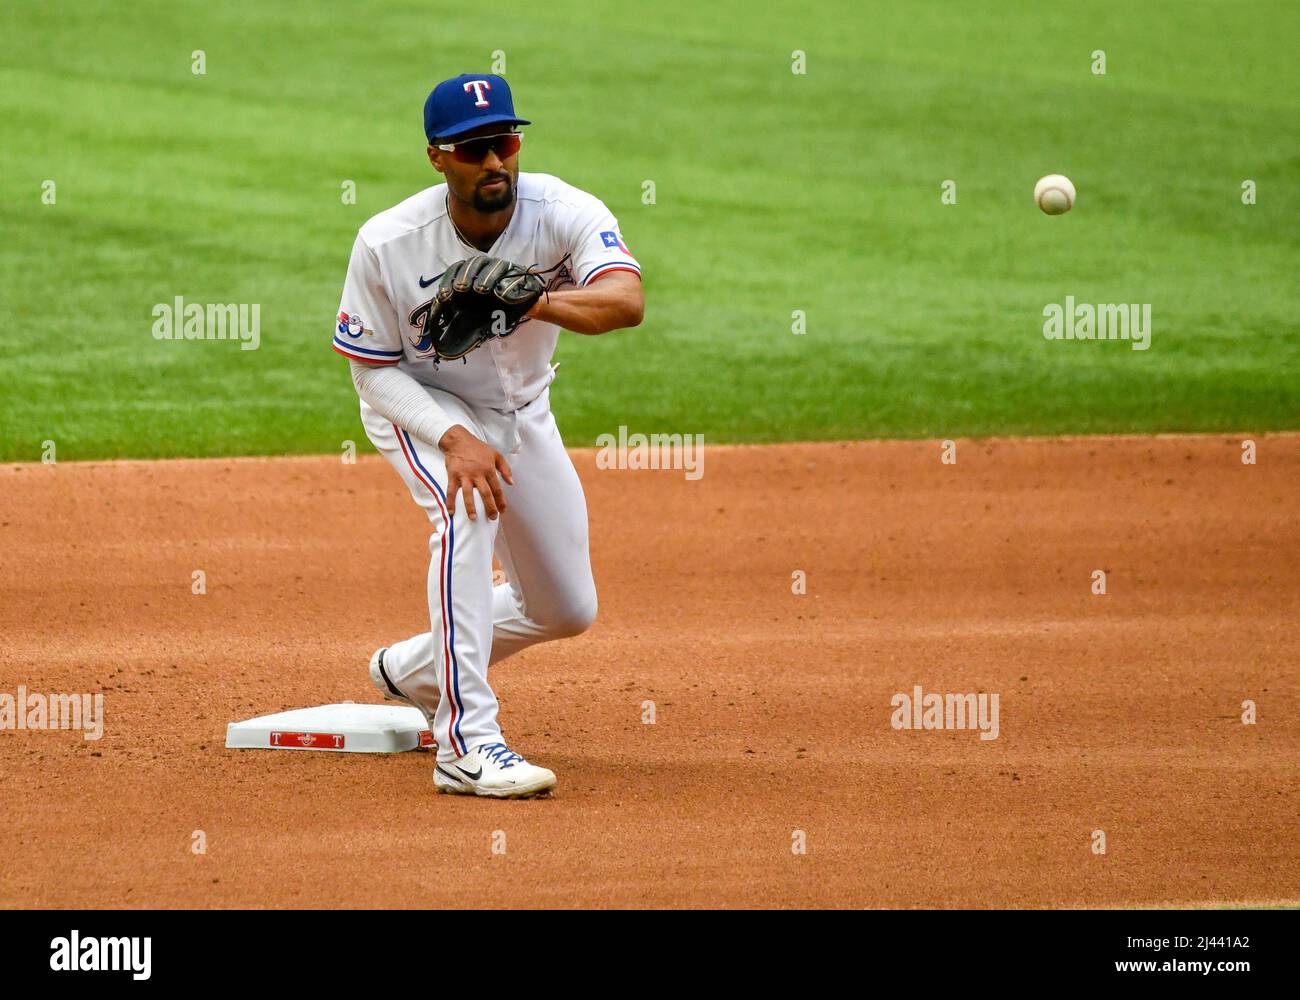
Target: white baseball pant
541 541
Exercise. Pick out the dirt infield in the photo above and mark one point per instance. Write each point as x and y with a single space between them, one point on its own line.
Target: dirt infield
1120 713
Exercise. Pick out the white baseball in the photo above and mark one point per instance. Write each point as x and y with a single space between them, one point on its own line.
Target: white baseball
1054 194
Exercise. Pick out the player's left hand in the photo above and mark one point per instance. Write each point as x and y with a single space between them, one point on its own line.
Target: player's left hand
477 299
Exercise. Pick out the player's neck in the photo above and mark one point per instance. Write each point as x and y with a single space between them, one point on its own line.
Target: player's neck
479 229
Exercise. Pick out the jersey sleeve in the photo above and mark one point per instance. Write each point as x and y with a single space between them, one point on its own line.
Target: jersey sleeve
596 243
366 328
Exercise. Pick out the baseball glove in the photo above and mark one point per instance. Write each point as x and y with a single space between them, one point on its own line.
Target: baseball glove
477 299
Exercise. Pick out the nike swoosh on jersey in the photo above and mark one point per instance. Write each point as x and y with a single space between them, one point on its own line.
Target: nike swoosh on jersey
426 284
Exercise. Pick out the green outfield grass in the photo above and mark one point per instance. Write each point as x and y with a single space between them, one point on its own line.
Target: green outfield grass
775 192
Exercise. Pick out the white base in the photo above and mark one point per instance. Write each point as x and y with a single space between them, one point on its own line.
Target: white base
345 728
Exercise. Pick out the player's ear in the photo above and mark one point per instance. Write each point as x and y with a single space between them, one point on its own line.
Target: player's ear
435 157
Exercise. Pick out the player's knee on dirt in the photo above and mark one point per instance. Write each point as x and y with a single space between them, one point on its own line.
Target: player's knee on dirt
570 619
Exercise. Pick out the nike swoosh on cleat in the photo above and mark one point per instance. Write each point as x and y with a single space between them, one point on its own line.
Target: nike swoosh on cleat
472 775
443 771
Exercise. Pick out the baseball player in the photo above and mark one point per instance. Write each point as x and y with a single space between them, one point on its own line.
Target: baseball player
451 311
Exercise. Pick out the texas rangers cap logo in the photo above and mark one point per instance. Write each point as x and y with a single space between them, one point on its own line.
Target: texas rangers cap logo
478 86
467 102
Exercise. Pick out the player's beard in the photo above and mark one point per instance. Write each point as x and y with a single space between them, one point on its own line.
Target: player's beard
488 203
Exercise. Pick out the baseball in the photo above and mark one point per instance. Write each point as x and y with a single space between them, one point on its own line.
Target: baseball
1054 194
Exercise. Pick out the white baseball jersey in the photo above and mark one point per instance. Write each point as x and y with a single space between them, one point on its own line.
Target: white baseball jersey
400 254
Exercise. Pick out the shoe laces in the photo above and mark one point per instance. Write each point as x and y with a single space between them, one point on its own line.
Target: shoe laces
500 754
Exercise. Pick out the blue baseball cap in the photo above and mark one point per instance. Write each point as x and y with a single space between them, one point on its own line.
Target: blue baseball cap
466 102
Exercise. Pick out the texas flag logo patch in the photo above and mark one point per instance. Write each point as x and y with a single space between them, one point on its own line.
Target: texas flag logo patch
613 241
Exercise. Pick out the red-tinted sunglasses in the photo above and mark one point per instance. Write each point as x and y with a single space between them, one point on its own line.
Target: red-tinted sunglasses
504 145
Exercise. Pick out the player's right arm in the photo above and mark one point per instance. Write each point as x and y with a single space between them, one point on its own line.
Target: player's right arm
368 335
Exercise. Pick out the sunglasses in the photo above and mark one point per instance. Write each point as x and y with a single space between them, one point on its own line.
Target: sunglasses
504 145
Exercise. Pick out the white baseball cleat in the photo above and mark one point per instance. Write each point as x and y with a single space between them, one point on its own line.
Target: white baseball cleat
382 682
493 770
